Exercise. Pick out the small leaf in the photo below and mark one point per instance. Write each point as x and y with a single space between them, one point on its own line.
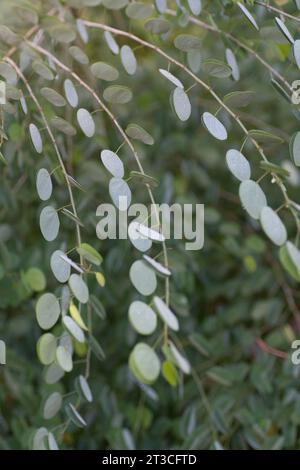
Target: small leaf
114 4
195 6
117 94
187 42
104 71
170 373
180 360
79 55
46 348
181 104
120 193
252 197
166 314
232 62
238 165
142 318
60 268
47 311
89 253
128 60
139 241
145 362
49 223
96 348
239 99
36 138
169 76
98 308
273 226
139 10
63 126
272 168
157 26
216 68
143 278
75 314
158 267
86 122
100 279
43 70
64 358
265 136
44 184
295 148
84 388
79 288
214 126
71 93
53 97
112 163
284 30
248 15
138 133
74 416
52 405
145 179
111 42
72 216
73 328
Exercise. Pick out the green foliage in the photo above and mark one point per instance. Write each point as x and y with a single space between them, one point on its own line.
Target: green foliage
147 345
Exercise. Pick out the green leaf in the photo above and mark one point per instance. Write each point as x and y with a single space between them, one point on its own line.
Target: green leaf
111 42
169 76
49 223
36 138
71 93
273 226
139 11
143 278
42 70
44 184
179 359
232 62
63 126
145 362
74 416
142 318
74 329
79 55
170 373
284 30
264 136
120 193
89 253
112 163
64 358
84 388
104 71
98 307
157 26
72 216
52 405
182 105
128 60
272 168
252 197
145 179
47 311
214 126
295 148
53 97
114 4
46 348
248 15
187 42
35 279
86 122
138 133
238 165
39 439
166 313
79 288
117 94
216 68
158 267
140 242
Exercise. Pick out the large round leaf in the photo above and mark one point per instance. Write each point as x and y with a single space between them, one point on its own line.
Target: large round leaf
143 278
47 311
142 318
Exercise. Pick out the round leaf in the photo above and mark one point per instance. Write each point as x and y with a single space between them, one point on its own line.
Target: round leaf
166 314
120 193
143 278
142 318
112 163
214 126
44 184
47 311
252 197
49 223
86 122
181 104
36 138
238 165
79 288
273 226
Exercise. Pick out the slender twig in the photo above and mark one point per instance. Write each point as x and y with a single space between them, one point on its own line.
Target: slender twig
126 139
204 85
277 10
52 138
269 350
240 44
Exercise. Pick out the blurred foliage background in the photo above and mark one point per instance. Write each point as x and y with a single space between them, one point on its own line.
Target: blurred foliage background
237 305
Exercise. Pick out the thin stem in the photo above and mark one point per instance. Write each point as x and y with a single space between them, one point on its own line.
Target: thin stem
277 10
240 44
52 138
